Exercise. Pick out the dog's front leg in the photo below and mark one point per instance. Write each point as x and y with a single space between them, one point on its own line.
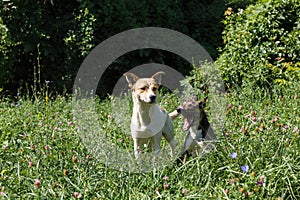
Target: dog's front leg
173 115
137 147
155 140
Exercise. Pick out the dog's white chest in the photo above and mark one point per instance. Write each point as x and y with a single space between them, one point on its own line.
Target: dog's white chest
157 122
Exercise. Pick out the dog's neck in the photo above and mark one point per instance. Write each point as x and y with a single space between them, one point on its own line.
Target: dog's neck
203 124
141 113
147 119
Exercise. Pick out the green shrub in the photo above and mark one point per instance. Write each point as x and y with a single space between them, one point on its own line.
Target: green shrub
5 43
262 44
57 35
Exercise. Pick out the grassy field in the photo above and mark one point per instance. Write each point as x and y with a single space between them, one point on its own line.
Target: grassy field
257 156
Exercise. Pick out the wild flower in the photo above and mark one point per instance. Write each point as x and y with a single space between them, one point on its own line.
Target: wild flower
240 107
166 178
32 147
5 147
77 195
75 159
166 186
2 191
295 129
226 191
233 155
184 191
30 164
245 168
259 182
37 183
229 105
286 127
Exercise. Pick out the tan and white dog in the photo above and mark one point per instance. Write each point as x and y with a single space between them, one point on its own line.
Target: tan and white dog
149 122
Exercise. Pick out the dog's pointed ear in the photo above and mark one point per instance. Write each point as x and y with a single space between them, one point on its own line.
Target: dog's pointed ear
202 103
131 78
157 76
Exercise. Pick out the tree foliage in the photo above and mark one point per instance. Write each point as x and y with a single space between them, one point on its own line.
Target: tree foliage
262 44
55 36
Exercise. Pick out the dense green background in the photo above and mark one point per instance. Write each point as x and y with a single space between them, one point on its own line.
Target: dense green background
55 38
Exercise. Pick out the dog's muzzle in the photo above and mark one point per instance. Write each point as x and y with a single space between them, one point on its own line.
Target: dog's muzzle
152 98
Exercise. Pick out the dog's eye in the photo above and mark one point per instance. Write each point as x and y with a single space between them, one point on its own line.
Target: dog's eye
154 89
143 88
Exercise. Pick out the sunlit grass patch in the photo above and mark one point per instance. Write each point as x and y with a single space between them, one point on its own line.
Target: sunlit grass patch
42 154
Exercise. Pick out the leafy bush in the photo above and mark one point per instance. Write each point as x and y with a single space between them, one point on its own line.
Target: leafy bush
262 44
5 43
57 35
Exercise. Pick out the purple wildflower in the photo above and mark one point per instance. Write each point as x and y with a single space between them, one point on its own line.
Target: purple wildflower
259 182
37 183
245 168
233 155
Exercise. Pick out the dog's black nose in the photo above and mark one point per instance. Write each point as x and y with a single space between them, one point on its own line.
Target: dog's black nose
152 98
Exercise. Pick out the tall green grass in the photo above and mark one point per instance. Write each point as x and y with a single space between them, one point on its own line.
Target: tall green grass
42 156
